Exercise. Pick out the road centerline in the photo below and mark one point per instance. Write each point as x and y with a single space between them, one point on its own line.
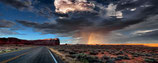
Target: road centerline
5 61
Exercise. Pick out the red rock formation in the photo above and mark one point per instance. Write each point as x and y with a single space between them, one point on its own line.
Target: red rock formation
47 42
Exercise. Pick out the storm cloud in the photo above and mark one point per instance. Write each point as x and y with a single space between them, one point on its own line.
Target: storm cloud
17 3
40 7
7 28
6 24
144 32
80 18
4 32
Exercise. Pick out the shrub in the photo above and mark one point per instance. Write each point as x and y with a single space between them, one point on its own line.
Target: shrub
105 57
102 52
61 50
120 53
93 53
151 60
87 58
71 52
123 57
112 60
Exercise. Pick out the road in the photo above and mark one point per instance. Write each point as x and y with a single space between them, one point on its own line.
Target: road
33 55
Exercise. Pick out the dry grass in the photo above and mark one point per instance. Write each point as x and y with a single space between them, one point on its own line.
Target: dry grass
12 48
106 53
63 57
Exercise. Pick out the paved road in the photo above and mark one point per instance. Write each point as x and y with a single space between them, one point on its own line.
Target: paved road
32 55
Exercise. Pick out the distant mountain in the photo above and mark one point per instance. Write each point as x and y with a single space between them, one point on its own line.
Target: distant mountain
47 42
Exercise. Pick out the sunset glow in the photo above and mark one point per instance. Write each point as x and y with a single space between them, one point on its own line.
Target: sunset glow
144 44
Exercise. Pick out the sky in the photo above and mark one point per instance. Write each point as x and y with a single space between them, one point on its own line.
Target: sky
81 21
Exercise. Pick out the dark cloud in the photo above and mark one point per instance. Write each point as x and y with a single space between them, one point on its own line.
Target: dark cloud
8 28
95 17
149 37
62 26
149 23
4 32
6 24
40 7
43 7
144 32
76 26
17 3
124 4
143 8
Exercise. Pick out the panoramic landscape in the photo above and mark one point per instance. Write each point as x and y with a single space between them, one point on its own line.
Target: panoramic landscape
78 31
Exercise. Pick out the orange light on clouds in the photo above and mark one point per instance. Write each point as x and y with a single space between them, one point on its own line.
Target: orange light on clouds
91 39
95 39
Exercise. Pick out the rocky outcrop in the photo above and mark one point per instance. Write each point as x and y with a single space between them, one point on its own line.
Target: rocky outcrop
47 42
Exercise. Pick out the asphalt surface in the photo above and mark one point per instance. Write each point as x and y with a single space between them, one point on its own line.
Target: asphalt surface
33 55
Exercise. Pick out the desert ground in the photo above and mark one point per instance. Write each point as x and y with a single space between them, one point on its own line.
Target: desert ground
106 53
12 48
